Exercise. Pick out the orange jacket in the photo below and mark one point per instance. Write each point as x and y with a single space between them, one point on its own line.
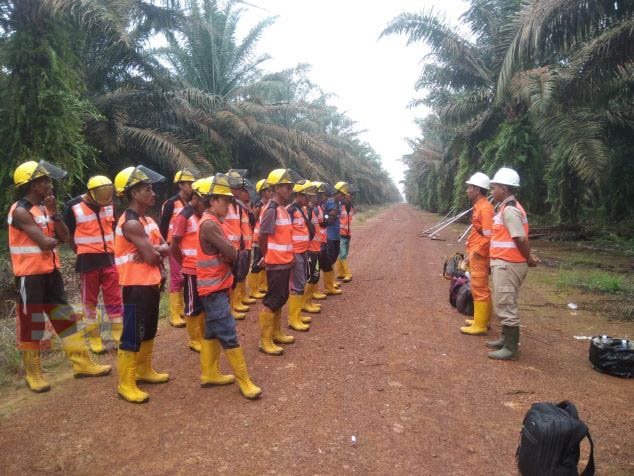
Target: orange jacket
315 243
93 233
482 220
280 244
131 273
301 235
26 257
345 221
188 244
213 273
502 245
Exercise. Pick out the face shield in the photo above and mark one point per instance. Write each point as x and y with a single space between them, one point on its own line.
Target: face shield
102 195
142 174
46 169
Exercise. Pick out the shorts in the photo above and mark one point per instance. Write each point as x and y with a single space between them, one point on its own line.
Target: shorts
277 295
193 306
140 315
219 323
42 295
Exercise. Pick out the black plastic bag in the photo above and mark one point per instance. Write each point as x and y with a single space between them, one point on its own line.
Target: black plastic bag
550 439
454 287
464 300
612 356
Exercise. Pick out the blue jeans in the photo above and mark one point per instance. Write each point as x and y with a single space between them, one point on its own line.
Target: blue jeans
344 246
219 323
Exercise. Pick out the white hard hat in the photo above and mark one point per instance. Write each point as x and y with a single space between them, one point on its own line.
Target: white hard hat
506 176
479 180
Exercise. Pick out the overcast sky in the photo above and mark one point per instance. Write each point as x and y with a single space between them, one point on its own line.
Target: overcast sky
373 79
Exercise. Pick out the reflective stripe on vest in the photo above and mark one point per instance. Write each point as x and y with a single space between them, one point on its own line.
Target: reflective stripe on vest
315 243
92 234
301 235
345 220
213 273
231 226
322 231
27 257
131 273
188 243
178 207
280 243
502 245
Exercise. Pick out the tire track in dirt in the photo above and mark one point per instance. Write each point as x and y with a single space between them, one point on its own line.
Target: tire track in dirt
383 362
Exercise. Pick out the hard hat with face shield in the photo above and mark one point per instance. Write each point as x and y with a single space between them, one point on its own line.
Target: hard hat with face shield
131 176
31 170
186 175
100 189
281 176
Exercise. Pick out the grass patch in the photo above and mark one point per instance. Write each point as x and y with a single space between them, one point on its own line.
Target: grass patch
365 215
596 281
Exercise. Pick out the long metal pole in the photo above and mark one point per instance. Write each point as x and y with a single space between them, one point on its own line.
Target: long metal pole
440 223
454 219
471 226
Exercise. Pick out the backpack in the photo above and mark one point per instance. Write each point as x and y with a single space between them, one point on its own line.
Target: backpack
464 299
454 266
549 442
454 287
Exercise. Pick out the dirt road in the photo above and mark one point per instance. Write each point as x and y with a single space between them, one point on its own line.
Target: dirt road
384 363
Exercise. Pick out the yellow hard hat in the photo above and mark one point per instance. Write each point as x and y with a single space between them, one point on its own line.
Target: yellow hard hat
131 176
279 176
343 187
201 186
307 188
31 170
100 189
185 175
261 185
219 184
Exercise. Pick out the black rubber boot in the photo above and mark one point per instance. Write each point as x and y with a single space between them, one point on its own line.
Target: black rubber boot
496 344
511 342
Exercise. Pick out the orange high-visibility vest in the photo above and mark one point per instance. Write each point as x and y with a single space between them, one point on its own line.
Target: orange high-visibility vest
322 231
280 244
315 243
345 220
188 243
482 220
27 257
256 229
131 273
93 233
178 207
232 226
212 271
502 245
300 232
245 229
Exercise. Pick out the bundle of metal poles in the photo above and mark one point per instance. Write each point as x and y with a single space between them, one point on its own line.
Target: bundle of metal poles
432 233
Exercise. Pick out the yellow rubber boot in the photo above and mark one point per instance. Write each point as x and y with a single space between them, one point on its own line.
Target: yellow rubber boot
239 366
347 277
252 283
307 304
144 370
266 334
481 313
278 336
94 339
329 282
237 298
263 286
33 370
77 352
127 388
233 294
244 293
317 294
210 365
193 329
339 269
176 310
116 330
294 313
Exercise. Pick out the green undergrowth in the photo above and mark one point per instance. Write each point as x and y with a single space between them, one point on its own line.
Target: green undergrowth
595 281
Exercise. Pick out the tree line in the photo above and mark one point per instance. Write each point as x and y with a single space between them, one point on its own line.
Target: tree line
82 86
542 86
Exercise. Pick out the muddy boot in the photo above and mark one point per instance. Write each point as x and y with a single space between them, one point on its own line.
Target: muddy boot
498 343
511 343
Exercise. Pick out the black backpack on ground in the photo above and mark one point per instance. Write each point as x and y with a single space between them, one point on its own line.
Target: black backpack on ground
550 439
464 299
455 285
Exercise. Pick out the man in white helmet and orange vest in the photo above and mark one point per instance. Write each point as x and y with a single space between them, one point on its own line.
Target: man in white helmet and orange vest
510 258
478 253
172 207
35 230
90 221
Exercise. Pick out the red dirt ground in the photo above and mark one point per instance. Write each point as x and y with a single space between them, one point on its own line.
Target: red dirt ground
383 362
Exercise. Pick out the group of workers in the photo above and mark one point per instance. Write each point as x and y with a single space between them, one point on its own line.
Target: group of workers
224 250
497 245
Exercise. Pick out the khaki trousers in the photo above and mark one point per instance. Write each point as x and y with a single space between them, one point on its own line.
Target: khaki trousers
507 278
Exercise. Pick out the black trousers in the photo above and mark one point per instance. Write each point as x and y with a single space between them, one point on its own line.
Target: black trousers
312 257
193 306
140 315
240 267
257 256
277 295
333 246
325 264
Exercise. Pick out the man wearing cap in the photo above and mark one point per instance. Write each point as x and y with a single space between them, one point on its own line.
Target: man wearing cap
35 231
170 209
510 258
90 221
478 253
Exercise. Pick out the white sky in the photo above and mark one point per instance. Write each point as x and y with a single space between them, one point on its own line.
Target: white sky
373 79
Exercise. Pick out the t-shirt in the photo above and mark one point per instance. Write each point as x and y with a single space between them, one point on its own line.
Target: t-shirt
86 262
333 208
267 227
